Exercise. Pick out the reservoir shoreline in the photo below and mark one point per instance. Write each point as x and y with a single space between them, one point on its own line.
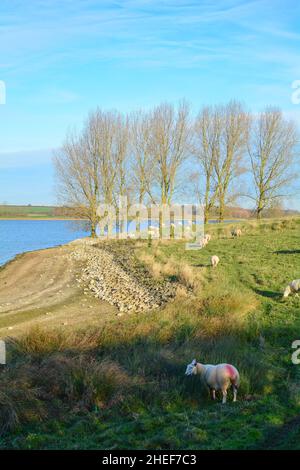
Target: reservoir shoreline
24 235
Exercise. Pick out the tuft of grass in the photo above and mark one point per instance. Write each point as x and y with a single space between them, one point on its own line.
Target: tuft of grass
154 267
83 382
169 269
186 275
19 403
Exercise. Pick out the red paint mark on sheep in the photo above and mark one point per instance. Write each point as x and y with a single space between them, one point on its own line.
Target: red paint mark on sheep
231 372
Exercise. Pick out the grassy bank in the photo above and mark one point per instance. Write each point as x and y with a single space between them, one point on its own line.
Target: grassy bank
123 386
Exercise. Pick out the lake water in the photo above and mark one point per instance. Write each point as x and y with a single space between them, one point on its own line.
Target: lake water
17 236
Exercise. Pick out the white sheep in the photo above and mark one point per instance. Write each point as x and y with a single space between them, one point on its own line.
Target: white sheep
216 377
204 242
215 261
236 232
293 287
207 237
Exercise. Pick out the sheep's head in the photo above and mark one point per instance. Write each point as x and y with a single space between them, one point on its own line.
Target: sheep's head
191 368
287 292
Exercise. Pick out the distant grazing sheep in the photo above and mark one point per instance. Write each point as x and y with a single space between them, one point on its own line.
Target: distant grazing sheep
216 377
215 261
204 242
292 288
207 237
236 232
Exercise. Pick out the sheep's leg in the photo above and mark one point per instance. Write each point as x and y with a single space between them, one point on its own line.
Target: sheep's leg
213 393
224 392
234 392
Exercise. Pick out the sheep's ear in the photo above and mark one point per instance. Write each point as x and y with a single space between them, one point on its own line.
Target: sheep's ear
194 362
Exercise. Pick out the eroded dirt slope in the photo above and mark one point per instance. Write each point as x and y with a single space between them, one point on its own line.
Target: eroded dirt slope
42 287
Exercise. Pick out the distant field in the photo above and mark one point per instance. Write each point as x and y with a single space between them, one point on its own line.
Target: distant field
34 212
26 211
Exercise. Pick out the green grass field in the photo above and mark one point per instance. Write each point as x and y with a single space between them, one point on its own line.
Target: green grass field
7 211
123 387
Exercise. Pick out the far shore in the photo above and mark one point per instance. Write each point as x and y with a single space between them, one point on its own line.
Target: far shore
85 220
43 218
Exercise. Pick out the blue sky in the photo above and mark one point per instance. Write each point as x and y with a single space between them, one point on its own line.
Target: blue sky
61 58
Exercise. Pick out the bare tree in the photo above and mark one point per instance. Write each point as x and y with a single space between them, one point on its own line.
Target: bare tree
106 136
142 162
168 147
272 150
229 164
206 147
123 180
91 166
78 177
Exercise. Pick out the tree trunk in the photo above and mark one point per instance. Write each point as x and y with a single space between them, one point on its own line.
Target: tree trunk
93 230
160 224
206 214
259 213
259 208
138 223
221 209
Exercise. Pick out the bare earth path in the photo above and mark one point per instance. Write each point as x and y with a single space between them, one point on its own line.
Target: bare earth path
41 287
76 284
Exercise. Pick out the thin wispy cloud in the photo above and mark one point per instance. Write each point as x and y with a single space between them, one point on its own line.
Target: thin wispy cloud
125 30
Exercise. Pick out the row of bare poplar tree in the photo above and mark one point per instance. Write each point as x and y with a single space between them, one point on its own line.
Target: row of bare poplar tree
166 155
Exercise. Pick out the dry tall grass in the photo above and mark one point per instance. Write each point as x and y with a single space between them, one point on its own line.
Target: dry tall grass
186 275
177 270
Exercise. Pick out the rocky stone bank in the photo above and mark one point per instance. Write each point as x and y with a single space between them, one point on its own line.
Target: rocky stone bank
114 275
